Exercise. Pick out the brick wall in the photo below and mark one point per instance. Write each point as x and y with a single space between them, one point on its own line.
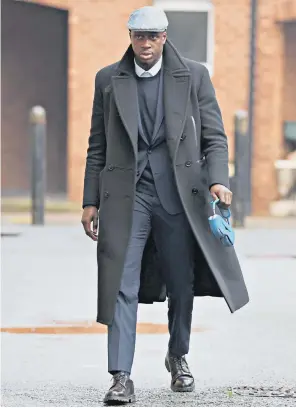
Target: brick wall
285 10
94 43
97 37
268 106
230 76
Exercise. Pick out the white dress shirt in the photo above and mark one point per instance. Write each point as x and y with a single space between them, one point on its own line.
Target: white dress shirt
151 72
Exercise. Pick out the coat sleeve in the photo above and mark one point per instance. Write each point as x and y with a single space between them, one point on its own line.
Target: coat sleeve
96 152
213 138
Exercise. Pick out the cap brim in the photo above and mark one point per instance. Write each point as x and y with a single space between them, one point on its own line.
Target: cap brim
152 30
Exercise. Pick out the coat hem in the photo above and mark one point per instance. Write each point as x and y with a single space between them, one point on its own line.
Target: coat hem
103 321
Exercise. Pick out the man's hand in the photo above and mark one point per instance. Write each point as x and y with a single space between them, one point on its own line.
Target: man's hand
223 193
90 215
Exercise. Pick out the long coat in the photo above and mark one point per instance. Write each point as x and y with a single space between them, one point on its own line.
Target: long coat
199 154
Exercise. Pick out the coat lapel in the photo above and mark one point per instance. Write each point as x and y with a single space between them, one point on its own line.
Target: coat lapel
126 99
177 87
173 107
141 130
176 99
159 108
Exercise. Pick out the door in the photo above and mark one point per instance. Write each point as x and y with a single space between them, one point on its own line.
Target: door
34 72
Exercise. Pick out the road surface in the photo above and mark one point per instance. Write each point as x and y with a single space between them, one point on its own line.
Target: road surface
49 280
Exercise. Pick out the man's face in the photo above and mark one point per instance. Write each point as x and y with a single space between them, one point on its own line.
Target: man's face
147 46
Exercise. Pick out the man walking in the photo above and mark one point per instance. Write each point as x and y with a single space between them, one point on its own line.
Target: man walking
157 155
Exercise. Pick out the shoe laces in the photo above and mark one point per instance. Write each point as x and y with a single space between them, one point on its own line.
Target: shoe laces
119 378
181 363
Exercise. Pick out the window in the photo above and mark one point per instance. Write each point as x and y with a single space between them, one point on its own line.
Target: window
191 28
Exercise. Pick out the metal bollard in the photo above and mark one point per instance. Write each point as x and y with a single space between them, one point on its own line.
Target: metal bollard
241 168
38 172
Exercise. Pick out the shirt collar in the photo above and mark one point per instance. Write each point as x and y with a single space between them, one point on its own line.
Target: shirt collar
151 72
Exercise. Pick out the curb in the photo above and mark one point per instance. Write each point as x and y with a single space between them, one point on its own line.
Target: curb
20 205
86 328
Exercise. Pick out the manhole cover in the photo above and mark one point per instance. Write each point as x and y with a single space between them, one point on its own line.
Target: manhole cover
283 392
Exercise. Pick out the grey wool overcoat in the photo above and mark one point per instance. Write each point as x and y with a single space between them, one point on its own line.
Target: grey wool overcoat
199 154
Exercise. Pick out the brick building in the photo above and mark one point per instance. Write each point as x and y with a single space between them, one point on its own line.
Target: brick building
97 36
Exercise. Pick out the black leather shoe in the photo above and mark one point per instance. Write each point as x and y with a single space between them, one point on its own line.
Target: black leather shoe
182 379
122 390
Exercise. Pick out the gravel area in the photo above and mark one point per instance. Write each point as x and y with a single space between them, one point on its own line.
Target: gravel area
51 395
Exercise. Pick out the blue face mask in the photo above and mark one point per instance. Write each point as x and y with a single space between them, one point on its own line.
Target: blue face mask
220 225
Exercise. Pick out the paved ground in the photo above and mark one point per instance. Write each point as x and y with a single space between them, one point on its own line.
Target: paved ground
73 218
49 274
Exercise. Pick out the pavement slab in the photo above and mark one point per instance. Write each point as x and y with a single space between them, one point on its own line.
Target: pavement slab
49 277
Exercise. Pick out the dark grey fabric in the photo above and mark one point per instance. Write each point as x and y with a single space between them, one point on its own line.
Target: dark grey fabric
164 185
148 93
169 231
155 174
193 129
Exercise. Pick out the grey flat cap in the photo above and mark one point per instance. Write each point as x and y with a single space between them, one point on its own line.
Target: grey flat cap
148 19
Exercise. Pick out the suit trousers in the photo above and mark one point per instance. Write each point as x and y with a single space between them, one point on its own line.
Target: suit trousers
174 242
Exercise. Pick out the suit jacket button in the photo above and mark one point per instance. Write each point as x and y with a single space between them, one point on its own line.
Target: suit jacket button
194 190
110 168
183 137
138 173
188 163
106 194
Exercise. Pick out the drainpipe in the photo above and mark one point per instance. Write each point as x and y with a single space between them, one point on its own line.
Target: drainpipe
253 36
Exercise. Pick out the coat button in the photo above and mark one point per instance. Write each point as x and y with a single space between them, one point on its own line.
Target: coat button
194 190
106 194
138 173
183 137
188 163
149 151
110 168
